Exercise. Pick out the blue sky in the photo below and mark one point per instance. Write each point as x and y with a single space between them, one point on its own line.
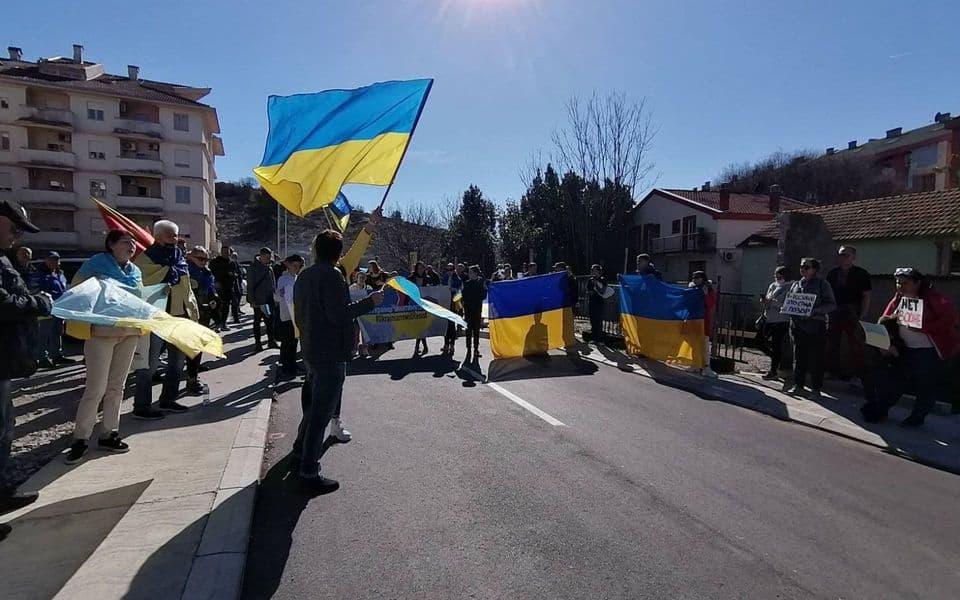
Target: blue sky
727 80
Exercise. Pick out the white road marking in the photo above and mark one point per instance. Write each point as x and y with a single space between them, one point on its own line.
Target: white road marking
513 397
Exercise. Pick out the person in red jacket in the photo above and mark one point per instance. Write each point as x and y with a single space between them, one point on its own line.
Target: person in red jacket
927 339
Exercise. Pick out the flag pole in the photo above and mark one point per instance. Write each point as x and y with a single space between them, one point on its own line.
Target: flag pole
412 130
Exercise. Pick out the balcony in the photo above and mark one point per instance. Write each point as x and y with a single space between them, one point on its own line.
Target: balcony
139 163
49 158
149 129
128 200
47 197
701 241
56 240
58 117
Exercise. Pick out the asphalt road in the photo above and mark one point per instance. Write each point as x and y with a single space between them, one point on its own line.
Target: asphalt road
453 490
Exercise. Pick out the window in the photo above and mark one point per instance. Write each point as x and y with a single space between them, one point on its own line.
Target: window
4 103
183 194
98 188
181 158
97 150
181 122
696 265
926 183
4 141
675 226
94 111
6 182
52 220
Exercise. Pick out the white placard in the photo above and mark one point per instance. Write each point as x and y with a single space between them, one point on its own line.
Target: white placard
797 304
910 312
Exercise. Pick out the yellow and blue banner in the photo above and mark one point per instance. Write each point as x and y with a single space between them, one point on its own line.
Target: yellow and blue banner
105 302
530 316
319 142
662 321
407 313
338 212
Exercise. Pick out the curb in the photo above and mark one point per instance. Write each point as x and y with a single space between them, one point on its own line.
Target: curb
217 569
796 415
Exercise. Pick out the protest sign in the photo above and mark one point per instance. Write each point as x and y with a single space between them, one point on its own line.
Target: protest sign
910 312
876 335
398 318
797 304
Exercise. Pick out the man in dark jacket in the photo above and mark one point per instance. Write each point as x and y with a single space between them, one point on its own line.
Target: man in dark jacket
645 266
19 310
226 271
49 278
260 287
324 316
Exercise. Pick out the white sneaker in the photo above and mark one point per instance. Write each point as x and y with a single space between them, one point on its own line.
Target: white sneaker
338 431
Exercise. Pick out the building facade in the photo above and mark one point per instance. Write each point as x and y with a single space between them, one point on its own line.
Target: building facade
69 131
699 230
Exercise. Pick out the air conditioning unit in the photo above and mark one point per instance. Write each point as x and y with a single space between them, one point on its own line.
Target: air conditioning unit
728 256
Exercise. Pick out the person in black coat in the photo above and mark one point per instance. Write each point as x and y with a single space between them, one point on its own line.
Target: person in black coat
19 337
474 293
597 290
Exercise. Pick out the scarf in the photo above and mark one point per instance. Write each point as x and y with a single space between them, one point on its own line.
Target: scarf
170 257
105 266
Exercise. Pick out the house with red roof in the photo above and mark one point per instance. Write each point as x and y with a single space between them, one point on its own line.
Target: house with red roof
699 230
920 230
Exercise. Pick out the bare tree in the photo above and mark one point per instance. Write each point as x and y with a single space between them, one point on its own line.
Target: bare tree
607 139
420 230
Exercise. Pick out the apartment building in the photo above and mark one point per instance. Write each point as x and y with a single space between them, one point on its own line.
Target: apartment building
70 131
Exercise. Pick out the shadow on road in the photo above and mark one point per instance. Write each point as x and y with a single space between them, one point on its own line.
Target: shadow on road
397 369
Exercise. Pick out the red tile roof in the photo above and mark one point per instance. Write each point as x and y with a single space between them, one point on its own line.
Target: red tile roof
925 214
753 204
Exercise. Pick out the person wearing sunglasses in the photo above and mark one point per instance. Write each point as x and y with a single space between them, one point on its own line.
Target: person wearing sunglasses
925 346
19 336
810 332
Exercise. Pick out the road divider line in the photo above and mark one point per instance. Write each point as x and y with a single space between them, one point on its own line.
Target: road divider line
524 404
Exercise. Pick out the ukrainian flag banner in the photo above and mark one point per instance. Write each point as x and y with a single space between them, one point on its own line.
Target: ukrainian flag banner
339 212
105 302
662 321
530 316
319 142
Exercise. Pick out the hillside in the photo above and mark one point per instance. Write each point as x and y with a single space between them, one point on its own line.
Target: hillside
247 220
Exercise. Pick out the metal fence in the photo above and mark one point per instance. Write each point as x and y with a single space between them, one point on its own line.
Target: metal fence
734 319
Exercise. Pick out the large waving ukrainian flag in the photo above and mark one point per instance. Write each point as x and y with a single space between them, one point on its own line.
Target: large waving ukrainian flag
662 321
318 142
530 316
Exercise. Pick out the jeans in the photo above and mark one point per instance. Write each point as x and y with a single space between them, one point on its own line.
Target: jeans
320 399
51 339
920 371
258 316
7 423
143 397
809 343
288 347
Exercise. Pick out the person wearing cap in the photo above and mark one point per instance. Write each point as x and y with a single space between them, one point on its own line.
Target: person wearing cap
204 287
924 349
108 351
851 287
164 263
260 287
284 299
645 266
810 332
49 278
19 309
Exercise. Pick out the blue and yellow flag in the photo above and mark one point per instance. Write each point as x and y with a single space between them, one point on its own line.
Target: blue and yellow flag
530 316
662 321
319 142
339 212
408 288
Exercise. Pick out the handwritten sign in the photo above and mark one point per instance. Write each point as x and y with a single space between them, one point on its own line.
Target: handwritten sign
910 312
797 304
876 335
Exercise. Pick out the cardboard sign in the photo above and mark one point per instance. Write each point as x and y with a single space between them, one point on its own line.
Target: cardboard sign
876 335
910 312
798 304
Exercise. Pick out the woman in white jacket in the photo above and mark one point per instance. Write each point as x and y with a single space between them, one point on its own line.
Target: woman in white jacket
284 298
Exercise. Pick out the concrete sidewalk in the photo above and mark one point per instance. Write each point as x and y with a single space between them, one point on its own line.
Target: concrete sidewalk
936 444
170 518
